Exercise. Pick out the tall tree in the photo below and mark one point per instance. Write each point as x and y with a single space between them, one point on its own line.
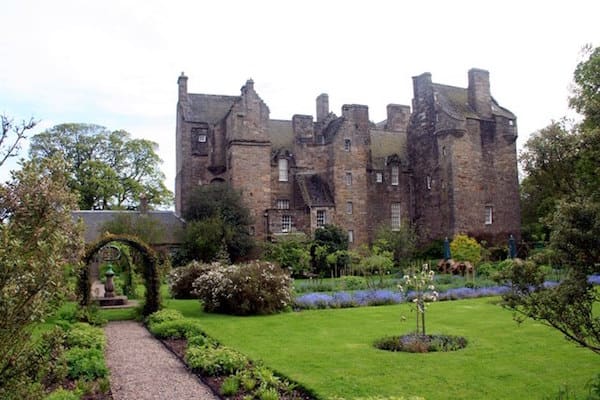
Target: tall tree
564 173
107 169
217 217
38 240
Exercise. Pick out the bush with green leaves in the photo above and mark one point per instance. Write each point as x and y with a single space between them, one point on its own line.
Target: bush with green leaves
465 248
86 363
176 329
62 394
291 253
84 335
230 386
245 289
201 341
163 315
181 279
215 361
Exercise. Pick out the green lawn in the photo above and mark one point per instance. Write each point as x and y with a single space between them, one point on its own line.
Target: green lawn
330 351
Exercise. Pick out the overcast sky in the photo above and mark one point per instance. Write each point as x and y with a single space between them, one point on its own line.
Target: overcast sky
116 63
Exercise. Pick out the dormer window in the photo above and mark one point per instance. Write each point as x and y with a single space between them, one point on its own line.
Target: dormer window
283 170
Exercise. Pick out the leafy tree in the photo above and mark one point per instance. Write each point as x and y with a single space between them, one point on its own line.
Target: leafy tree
38 240
217 216
570 169
290 253
107 169
328 240
11 136
401 243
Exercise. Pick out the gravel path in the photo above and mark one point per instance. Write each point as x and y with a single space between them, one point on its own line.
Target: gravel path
143 369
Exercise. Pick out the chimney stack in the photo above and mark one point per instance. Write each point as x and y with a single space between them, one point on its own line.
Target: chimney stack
480 98
322 107
182 82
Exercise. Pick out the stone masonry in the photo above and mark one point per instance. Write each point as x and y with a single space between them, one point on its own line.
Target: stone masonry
447 167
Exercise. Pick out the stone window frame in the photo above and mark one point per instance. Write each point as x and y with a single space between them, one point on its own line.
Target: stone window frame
395 175
200 148
350 236
489 214
348 178
349 207
283 166
286 223
321 218
283 204
347 144
396 216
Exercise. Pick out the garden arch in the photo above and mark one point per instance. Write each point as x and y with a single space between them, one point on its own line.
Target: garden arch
150 270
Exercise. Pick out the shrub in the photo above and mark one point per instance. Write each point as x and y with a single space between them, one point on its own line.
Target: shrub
62 394
215 361
86 336
176 329
268 394
86 364
201 341
464 248
291 253
181 279
246 289
413 343
230 386
163 316
353 282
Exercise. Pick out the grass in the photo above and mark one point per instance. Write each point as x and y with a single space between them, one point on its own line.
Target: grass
331 352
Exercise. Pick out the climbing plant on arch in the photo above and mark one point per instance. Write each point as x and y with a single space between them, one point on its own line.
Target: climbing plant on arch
149 268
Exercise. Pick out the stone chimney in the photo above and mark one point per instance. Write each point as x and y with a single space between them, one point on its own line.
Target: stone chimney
322 107
182 82
397 117
480 98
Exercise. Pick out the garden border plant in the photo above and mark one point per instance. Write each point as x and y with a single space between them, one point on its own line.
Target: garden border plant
150 270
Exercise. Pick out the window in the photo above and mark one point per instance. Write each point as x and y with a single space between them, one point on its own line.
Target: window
428 182
395 216
200 141
444 151
378 177
321 218
347 144
395 175
511 122
348 178
202 138
350 236
286 223
489 215
283 204
348 207
283 170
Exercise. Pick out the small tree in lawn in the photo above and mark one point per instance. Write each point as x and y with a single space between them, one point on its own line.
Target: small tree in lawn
420 280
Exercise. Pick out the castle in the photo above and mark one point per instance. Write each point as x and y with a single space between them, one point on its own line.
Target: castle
447 167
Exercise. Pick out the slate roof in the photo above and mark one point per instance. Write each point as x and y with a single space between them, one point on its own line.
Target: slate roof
207 107
385 144
95 220
455 102
281 134
315 190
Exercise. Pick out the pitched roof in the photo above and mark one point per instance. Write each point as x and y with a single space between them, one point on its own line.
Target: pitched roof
384 144
281 134
455 102
315 190
94 221
207 107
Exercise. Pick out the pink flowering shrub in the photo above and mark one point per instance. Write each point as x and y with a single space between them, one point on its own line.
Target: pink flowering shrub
257 287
